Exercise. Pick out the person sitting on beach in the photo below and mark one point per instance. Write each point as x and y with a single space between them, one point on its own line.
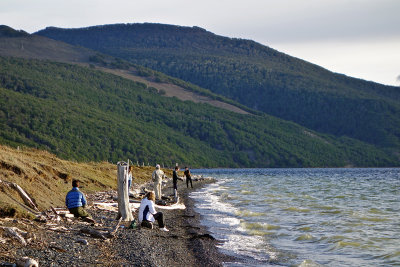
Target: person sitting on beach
76 202
157 177
148 214
175 178
188 177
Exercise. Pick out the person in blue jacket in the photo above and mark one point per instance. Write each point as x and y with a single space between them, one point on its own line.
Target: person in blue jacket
76 202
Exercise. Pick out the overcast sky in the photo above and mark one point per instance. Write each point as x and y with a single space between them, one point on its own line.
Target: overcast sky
360 38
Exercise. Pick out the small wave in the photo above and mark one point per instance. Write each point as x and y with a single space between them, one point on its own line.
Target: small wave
305 229
375 211
296 209
374 219
246 192
259 226
309 263
259 233
391 255
330 212
248 213
304 237
342 244
227 196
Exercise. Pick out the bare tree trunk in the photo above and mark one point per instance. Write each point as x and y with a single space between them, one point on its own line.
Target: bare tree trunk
124 210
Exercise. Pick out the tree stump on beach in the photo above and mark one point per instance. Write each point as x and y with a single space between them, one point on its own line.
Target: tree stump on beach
124 210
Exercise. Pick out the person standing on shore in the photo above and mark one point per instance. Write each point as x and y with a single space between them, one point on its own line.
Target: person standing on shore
175 178
157 177
130 177
188 177
76 202
148 214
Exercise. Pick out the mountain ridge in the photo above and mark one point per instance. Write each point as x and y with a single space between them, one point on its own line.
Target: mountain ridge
253 75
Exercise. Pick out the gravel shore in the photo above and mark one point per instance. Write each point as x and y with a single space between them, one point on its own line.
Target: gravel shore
63 243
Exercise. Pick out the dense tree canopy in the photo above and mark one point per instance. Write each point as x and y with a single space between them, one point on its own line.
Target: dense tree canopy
254 75
84 114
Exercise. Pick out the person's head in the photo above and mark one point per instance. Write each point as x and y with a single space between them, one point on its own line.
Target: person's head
158 166
151 196
75 183
130 168
176 168
186 168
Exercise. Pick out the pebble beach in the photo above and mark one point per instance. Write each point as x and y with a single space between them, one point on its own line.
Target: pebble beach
64 243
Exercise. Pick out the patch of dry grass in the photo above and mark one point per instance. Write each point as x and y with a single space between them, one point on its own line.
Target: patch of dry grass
47 179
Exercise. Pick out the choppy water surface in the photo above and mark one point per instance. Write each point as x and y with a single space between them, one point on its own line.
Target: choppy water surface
304 217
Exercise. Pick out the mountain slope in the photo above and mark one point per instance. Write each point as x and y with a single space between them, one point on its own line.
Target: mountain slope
84 114
254 75
17 44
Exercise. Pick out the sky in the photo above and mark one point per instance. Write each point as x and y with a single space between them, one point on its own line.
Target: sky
358 38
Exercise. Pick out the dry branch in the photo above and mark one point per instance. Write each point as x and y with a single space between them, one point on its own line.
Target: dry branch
16 233
28 201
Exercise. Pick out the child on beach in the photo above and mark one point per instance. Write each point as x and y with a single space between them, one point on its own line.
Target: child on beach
148 214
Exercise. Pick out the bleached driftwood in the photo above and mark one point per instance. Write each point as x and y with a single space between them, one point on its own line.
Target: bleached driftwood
102 234
94 233
27 262
124 210
60 229
113 232
16 233
28 201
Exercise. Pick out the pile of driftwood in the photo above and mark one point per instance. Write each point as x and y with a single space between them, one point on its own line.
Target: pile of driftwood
53 219
24 238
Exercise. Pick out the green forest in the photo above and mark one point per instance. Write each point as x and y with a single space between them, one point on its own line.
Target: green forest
254 75
84 114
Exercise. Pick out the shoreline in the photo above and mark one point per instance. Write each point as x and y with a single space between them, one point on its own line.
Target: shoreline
187 243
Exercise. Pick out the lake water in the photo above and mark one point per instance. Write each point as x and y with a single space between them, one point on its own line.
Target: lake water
304 217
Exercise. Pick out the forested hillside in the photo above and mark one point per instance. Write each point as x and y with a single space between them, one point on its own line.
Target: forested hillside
254 75
84 114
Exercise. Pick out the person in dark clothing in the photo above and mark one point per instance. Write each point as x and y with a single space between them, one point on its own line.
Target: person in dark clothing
175 179
188 177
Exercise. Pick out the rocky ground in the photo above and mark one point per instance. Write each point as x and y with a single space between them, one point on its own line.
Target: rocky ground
73 242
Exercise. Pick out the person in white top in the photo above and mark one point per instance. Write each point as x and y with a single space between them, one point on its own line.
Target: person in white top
147 213
157 177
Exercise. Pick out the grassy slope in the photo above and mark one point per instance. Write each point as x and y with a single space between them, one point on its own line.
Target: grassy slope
47 178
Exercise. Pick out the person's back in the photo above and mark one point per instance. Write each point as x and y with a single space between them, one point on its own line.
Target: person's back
76 202
188 177
75 198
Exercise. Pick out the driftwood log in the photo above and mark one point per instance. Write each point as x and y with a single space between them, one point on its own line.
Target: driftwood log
16 233
124 209
101 234
28 201
27 262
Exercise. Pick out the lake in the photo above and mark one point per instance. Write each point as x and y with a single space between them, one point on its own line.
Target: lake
304 217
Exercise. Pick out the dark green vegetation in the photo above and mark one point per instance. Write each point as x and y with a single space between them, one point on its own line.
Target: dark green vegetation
6 31
254 75
84 114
